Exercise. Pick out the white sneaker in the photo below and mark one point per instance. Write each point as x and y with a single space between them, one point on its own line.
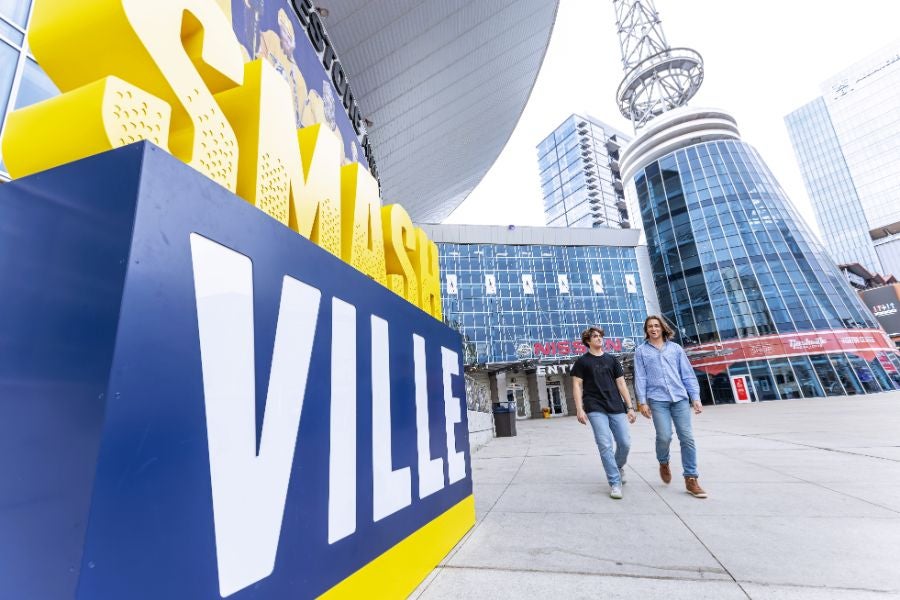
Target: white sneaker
622 475
615 492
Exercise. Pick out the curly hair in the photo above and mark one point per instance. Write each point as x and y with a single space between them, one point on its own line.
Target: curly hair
586 334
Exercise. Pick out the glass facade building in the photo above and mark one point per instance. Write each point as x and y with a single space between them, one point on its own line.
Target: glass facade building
22 82
521 296
746 286
580 179
515 302
845 142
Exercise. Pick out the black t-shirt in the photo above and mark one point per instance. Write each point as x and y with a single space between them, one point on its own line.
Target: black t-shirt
599 374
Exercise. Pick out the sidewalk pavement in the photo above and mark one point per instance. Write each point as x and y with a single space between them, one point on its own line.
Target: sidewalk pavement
804 502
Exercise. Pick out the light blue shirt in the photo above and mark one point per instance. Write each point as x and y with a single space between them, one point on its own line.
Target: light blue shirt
665 374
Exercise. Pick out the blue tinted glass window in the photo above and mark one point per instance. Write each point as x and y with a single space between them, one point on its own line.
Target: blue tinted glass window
15 11
34 86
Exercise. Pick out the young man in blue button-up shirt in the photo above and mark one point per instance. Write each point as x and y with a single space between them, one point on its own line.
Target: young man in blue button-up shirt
666 389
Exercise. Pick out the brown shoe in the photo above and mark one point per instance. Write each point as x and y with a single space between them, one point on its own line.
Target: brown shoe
693 487
664 473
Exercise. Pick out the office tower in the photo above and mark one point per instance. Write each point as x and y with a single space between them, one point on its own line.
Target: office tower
846 144
580 179
753 297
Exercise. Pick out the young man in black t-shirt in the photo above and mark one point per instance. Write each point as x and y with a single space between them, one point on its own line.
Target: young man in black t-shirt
602 398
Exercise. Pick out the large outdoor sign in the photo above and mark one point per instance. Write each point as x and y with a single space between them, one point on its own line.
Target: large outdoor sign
172 72
715 358
576 347
884 302
196 401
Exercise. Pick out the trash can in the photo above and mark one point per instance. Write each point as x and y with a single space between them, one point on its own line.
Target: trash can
505 419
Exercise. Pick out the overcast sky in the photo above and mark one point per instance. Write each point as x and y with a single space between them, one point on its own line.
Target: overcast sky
763 59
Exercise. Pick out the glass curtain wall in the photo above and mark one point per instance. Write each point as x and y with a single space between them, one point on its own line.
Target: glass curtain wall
22 82
505 298
731 260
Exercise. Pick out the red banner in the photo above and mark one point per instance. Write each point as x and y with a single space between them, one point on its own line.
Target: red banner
714 358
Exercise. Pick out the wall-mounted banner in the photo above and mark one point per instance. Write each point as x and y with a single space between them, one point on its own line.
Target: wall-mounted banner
714 358
490 284
527 284
451 284
563 281
597 283
630 284
291 36
197 402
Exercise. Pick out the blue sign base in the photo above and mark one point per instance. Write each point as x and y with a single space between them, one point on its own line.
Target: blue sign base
197 402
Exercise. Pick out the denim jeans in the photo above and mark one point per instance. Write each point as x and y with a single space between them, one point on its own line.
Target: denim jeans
608 427
665 414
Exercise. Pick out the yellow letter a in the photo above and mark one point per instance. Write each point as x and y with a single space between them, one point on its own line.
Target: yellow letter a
363 239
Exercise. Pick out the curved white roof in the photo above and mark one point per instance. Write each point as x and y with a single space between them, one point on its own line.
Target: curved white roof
444 83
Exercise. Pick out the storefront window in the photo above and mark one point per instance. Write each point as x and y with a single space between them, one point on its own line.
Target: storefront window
706 395
845 374
806 377
784 379
866 377
721 388
763 382
881 375
890 367
831 383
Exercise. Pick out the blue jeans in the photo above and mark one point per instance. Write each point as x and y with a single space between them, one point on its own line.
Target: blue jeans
665 414
606 428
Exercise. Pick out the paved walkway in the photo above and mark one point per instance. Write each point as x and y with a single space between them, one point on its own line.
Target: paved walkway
804 503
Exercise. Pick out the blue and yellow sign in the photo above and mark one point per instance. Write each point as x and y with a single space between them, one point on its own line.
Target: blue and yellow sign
196 401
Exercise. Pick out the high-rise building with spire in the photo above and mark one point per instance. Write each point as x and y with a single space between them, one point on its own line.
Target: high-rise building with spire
755 300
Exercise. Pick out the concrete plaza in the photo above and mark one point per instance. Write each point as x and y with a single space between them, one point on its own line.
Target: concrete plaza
804 502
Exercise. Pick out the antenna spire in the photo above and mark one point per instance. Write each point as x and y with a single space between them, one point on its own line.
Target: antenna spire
657 78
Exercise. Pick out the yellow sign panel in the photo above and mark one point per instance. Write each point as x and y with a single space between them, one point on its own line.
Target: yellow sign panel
172 72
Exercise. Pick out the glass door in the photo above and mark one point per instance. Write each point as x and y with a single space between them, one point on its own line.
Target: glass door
516 393
557 400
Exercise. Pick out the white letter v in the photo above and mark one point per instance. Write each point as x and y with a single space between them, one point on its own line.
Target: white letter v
248 490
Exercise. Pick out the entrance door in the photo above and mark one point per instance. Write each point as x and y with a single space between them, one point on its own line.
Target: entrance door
556 399
516 393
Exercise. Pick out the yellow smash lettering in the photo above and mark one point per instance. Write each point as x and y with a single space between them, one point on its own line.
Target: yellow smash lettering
177 50
399 243
425 264
172 72
316 199
362 235
97 117
269 154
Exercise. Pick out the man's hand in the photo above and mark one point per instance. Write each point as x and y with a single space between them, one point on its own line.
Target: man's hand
631 416
698 407
582 417
645 410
